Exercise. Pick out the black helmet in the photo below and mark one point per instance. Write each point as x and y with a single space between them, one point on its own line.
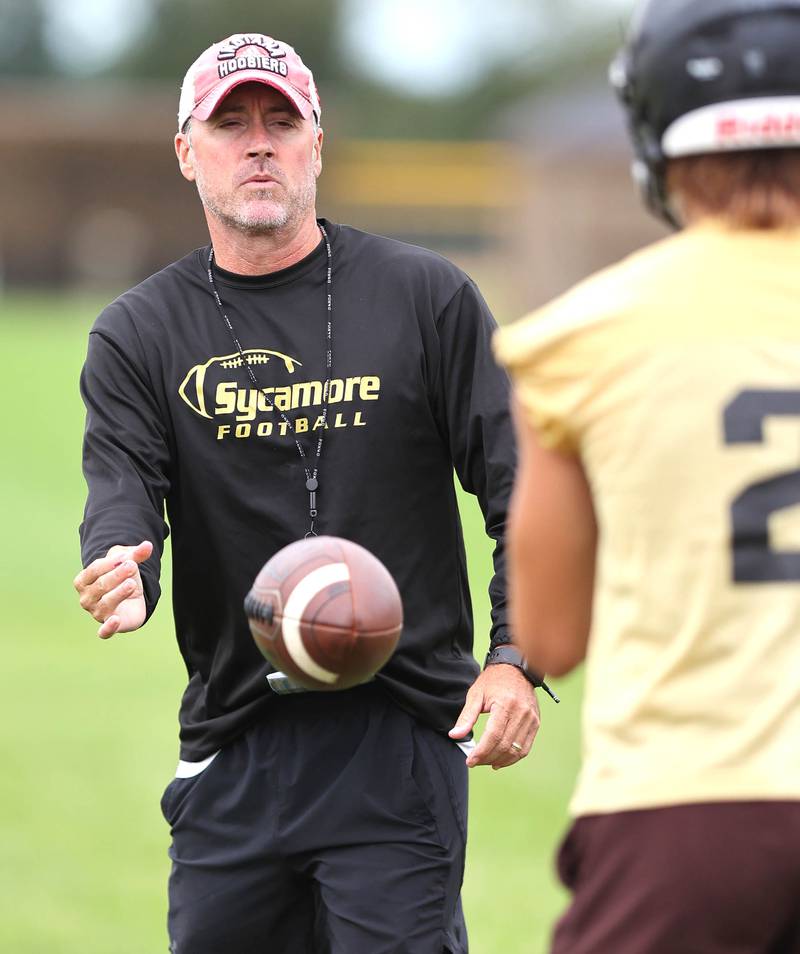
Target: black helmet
702 76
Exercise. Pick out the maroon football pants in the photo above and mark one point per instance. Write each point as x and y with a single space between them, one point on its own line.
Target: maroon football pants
691 879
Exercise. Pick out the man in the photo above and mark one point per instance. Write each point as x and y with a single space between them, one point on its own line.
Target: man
295 357
652 529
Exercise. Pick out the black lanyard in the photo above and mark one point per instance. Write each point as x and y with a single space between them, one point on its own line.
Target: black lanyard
312 476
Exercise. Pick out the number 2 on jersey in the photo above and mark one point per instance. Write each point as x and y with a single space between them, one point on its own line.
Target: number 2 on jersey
754 560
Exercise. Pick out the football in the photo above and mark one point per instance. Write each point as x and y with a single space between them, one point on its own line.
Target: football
325 612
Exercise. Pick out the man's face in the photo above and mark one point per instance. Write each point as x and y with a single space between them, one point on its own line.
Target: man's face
255 161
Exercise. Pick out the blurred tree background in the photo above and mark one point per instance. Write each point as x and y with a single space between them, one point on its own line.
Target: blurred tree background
493 58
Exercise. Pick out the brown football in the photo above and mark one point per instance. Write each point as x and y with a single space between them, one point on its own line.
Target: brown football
325 612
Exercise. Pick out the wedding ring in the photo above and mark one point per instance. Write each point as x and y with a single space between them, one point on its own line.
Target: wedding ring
516 746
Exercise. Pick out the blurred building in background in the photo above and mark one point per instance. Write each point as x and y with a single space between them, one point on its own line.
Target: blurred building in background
517 170
92 197
580 209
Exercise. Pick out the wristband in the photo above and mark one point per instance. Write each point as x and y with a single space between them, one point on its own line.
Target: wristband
511 656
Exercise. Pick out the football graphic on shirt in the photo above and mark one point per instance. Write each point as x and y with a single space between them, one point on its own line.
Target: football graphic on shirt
198 387
325 612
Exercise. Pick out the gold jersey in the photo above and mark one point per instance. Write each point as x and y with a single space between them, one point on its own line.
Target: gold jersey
675 376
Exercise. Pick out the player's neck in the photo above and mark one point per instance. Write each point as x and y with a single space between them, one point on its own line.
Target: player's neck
263 254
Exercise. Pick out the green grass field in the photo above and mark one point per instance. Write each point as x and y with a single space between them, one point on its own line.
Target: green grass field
88 737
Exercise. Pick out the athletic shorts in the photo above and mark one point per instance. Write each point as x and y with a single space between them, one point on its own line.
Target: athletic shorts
336 825
691 879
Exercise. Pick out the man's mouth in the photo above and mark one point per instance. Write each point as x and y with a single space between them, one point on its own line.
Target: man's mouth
260 180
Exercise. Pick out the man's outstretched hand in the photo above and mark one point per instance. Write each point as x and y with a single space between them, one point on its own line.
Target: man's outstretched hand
110 589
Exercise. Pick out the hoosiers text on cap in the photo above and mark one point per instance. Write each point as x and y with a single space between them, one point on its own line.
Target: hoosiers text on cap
246 58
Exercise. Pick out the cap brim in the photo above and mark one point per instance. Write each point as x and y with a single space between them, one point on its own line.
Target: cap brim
205 108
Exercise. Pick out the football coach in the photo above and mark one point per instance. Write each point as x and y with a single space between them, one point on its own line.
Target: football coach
294 356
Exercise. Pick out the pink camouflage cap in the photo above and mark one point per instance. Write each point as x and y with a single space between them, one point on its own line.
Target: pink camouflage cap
246 58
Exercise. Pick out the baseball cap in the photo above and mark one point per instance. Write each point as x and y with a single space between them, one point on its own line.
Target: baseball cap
246 58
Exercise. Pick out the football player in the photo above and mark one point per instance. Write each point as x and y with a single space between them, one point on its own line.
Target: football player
655 528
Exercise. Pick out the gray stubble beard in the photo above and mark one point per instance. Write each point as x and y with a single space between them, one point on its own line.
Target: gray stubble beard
291 213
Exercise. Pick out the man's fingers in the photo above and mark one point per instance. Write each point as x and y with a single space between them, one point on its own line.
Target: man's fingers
521 731
108 603
468 715
96 569
138 553
517 740
93 594
504 744
91 574
109 628
141 552
486 751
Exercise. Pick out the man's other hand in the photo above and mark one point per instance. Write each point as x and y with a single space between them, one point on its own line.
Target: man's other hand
508 697
110 589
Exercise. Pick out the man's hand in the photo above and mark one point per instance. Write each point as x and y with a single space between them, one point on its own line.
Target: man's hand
508 697
110 589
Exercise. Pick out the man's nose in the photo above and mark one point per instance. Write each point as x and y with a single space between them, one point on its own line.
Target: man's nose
260 142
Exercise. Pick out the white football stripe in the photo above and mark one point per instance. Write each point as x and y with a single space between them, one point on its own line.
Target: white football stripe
296 604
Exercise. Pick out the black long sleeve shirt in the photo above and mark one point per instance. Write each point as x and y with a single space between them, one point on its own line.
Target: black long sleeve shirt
174 423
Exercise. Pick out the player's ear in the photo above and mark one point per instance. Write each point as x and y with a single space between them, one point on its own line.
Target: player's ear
183 150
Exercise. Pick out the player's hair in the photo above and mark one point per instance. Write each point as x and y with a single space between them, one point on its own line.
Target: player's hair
756 189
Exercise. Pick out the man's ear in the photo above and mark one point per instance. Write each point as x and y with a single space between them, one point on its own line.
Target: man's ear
316 152
183 150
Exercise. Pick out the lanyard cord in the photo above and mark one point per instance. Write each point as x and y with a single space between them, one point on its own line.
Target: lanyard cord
312 476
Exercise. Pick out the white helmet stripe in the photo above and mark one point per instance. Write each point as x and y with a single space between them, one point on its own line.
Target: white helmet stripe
762 123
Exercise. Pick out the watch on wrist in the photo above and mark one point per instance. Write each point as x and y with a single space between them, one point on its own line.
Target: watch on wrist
511 656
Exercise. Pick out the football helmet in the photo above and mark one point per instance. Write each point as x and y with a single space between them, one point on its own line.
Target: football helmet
705 76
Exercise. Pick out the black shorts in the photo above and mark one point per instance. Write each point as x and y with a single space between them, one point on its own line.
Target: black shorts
691 879
337 825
